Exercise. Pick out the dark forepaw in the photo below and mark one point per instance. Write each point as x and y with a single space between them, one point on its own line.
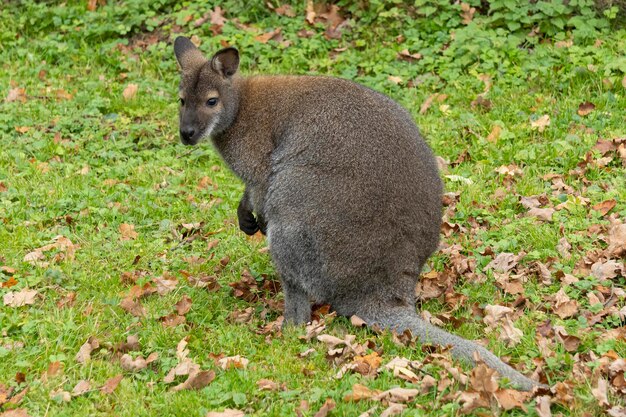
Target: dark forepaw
247 223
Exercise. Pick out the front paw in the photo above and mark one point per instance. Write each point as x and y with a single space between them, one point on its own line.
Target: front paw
248 224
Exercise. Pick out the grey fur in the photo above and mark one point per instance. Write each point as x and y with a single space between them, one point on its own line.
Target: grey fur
346 186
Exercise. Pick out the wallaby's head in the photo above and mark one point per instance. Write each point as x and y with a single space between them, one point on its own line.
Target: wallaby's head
208 97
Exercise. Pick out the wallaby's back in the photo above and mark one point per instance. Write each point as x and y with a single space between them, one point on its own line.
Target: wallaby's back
349 167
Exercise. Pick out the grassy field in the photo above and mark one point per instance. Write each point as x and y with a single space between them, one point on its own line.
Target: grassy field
119 251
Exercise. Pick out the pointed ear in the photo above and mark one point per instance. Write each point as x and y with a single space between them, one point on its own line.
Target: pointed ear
188 55
226 61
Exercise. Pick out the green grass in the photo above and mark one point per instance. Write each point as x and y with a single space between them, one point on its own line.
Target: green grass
139 174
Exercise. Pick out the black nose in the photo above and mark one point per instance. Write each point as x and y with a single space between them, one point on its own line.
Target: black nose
187 133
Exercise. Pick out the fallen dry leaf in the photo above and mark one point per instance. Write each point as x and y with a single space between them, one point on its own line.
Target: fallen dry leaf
130 91
494 135
133 307
84 353
393 410
510 398
133 365
127 232
184 305
267 385
285 10
585 108
510 334
236 361
329 404
600 392
398 395
228 412
165 283
407 56
483 379
268 36
360 392
394 79
59 395
196 380
16 412
605 206
607 270
541 123
544 214
503 262
82 387
564 307
111 384
616 240
467 13
20 298
16 94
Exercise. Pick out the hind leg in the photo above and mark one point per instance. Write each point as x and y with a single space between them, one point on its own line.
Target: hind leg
297 262
297 304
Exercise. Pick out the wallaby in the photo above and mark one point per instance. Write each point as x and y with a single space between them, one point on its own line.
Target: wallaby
341 182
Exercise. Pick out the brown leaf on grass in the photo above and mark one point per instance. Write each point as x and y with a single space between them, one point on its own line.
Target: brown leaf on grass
472 400
84 353
228 412
485 104
131 344
467 13
503 262
483 379
605 270
329 404
510 170
130 91
398 395
617 411
616 240
16 94
269 385
407 56
357 321
585 108
133 307
111 384
400 369
544 214
367 365
66 250
310 12
285 10
509 399
60 396
172 320
133 365
564 247
494 135
267 36
16 412
313 330
184 305
394 79
393 409
360 392
82 387
165 283
429 101
236 361
564 307
196 381
605 206
127 232
600 392
20 298
540 123
510 334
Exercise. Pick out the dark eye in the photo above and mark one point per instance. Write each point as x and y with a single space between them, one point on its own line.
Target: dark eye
211 102
182 101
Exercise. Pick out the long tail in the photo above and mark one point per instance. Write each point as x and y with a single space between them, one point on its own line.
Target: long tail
402 319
